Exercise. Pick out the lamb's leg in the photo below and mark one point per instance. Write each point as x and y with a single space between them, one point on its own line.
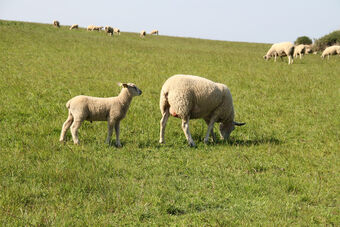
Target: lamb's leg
163 122
210 124
109 131
275 58
185 127
118 144
74 130
65 127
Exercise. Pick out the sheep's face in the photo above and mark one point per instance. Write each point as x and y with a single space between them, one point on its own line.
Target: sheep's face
267 57
132 88
225 129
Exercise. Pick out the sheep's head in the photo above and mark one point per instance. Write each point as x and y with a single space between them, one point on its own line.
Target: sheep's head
267 57
132 88
226 128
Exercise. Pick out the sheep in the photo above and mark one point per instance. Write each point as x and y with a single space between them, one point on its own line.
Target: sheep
56 23
192 97
90 27
109 30
142 34
97 28
74 26
332 50
154 32
299 50
112 110
281 49
116 30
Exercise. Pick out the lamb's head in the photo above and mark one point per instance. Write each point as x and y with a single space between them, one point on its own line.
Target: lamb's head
132 89
226 128
267 57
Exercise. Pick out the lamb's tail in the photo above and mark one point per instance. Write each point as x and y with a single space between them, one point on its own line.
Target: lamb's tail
68 104
163 101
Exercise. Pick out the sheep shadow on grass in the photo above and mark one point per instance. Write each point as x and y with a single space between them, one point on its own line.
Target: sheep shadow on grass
254 142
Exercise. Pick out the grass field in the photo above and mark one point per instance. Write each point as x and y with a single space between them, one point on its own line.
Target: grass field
281 168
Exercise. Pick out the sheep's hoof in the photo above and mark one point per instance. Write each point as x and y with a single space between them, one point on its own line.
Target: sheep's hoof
192 144
118 145
161 141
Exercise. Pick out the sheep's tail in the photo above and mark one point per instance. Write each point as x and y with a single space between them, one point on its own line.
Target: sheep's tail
68 104
163 101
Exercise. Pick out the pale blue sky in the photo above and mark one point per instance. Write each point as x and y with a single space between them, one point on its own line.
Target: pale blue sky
262 21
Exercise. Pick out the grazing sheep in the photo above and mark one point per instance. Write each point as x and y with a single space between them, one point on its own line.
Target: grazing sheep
74 26
281 49
154 32
97 28
299 50
116 30
112 110
332 50
56 23
109 30
142 34
90 28
191 97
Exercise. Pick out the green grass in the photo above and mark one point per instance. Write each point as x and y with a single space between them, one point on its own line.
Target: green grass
281 168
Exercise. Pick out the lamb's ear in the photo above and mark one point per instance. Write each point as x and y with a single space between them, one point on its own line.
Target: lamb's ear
123 85
238 123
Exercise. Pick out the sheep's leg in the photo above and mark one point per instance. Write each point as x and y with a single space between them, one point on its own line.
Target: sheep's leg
74 130
65 127
275 58
163 122
118 144
210 130
185 127
109 132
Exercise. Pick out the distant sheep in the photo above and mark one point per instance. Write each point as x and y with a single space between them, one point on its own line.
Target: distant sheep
299 50
142 34
192 97
74 26
112 110
90 28
109 30
154 32
116 30
56 23
332 50
97 28
281 50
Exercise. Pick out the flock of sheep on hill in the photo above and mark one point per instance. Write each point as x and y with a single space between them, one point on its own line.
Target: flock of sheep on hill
288 49
108 29
182 96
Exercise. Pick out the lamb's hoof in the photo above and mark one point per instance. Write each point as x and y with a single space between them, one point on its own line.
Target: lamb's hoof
192 144
118 145
206 141
161 141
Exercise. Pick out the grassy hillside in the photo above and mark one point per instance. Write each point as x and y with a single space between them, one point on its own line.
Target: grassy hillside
281 168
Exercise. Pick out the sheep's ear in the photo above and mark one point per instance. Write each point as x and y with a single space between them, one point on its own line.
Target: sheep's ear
238 123
124 85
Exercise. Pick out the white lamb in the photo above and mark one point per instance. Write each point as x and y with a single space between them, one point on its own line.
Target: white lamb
142 34
56 23
97 28
154 32
281 49
90 27
112 110
74 26
191 97
116 30
299 50
109 30
332 50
